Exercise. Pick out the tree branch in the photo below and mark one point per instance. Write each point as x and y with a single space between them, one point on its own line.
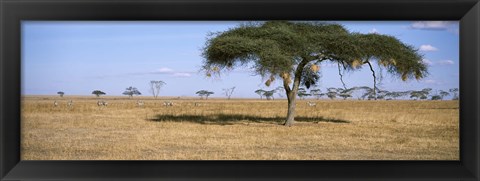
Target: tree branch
341 76
374 80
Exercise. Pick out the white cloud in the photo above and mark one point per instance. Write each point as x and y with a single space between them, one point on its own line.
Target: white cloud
428 62
430 81
440 62
432 25
428 48
164 70
374 31
446 62
181 74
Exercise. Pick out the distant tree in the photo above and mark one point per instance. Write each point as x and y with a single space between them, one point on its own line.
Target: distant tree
317 93
302 93
443 94
422 94
396 95
228 92
130 91
368 93
426 91
332 93
205 93
260 92
155 86
454 91
436 97
98 93
280 91
381 94
61 93
269 94
345 93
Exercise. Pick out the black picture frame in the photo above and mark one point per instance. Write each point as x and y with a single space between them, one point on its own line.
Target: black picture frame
12 12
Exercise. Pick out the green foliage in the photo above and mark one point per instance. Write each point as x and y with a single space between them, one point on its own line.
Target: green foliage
278 47
130 91
98 93
454 91
205 93
269 94
443 93
61 93
436 97
260 92
302 93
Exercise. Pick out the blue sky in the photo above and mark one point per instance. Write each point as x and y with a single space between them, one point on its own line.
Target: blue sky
78 57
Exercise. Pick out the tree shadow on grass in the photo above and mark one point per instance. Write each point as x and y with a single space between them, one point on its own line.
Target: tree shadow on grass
230 119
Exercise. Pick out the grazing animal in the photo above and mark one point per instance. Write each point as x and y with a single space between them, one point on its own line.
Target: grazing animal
140 103
102 103
311 104
70 103
168 103
197 104
55 103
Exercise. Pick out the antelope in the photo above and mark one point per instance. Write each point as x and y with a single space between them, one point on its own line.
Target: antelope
55 103
168 103
197 104
140 103
102 103
311 104
70 103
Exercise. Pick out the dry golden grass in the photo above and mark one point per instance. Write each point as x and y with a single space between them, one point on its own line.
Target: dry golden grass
238 130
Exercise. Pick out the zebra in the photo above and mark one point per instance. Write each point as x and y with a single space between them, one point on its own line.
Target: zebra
70 103
140 103
102 103
55 103
311 104
168 103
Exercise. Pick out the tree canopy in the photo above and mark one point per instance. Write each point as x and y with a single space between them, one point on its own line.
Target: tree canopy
98 93
293 52
130 91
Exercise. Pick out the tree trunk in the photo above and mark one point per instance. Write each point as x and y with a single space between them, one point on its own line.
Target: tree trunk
292 93
291 110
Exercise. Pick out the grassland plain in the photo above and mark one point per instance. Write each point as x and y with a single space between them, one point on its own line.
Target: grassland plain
237 129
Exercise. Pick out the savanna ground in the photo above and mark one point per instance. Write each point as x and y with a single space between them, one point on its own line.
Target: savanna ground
238 129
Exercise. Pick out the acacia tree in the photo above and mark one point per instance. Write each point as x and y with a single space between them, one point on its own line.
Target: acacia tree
317 93
260 92
61 93
130 91
205 93
155 86
443 94
98 93
269 94
228 92
293 52
454 91
302 93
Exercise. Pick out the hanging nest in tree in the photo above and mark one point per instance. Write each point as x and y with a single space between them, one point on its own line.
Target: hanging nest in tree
286 76
314 68
356 63
384 62
209 74
215 69
394 62
404 76
270 80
